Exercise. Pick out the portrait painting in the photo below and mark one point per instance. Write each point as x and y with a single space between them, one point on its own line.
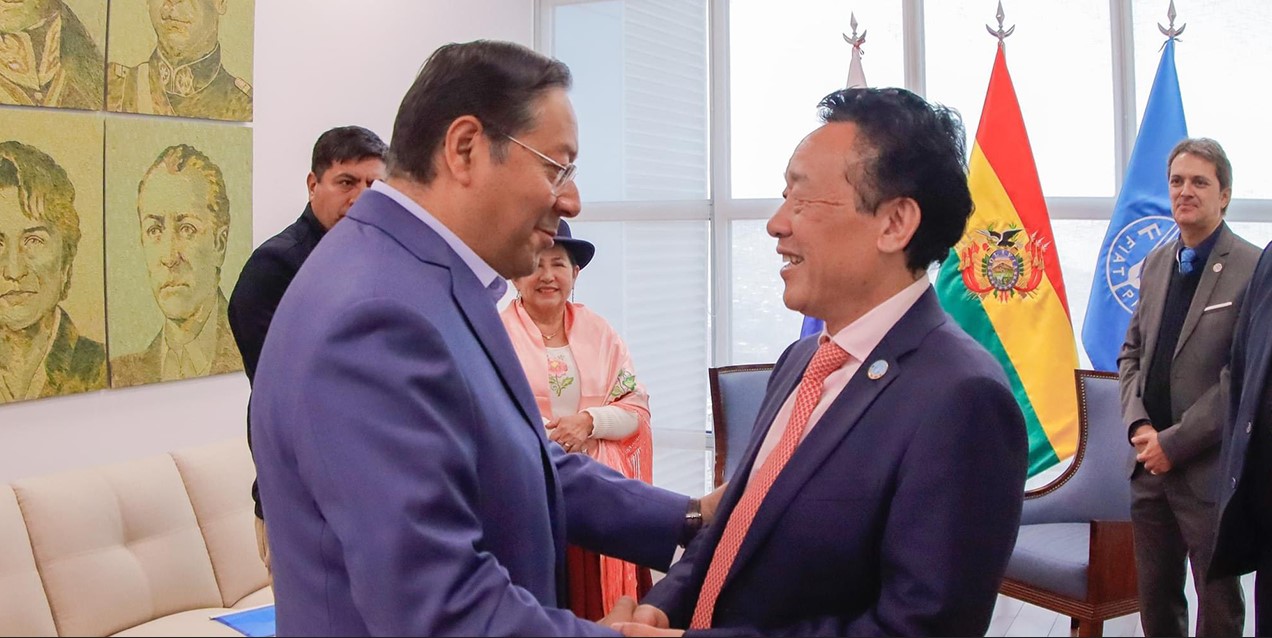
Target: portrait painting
178 230
181 58
51 53
52 299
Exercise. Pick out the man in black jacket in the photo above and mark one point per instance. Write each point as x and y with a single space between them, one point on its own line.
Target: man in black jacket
1244 542
346 161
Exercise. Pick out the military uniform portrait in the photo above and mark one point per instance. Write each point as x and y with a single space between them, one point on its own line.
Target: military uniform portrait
182 58
52 303
178 229
51 53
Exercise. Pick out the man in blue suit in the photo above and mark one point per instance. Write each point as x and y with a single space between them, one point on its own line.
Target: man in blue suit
882 496
400 453
1244 539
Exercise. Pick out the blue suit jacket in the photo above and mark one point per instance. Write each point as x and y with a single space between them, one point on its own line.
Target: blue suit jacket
897 513
402 459
1237 547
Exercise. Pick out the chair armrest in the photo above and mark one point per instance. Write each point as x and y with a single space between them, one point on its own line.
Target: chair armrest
1111 566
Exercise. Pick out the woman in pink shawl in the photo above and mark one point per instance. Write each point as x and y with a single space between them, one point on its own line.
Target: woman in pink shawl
585 384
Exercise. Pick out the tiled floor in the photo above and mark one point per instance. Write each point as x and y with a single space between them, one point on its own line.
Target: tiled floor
1014 618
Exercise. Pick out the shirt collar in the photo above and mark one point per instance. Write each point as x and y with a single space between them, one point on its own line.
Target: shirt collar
862 336
18 60
200 350
1203 249
495 285
191 77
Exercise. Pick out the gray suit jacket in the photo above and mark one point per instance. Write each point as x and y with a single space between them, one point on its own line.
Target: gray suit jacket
1198 399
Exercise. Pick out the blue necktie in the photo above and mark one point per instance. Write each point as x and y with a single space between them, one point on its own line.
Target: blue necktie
1187 261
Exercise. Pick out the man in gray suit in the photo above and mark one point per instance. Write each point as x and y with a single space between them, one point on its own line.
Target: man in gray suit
1176 346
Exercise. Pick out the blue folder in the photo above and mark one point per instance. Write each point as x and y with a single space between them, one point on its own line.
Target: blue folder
258 621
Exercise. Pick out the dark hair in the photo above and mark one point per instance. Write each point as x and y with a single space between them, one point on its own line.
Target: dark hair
178 158
345 144
496 82
909 148
45 194
1209 150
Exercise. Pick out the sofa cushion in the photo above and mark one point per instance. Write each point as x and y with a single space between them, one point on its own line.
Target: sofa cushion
262 596
117 546
24 611
196 622
218 478
1054 557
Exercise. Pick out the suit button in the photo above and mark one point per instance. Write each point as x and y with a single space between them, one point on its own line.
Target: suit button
1249 426
1234 482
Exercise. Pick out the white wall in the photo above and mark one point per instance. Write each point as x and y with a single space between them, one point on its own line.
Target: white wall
319 64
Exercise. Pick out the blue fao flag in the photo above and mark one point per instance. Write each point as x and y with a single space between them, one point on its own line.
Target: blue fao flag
1141 219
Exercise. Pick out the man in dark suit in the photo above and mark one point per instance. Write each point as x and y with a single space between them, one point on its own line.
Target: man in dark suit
346 160
1173 402
401 455
1244 539
881 497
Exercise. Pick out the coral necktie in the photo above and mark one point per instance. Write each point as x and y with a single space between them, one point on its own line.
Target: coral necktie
829 357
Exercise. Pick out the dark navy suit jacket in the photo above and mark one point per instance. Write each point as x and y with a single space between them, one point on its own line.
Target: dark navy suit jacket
895 516
1237 547
402 459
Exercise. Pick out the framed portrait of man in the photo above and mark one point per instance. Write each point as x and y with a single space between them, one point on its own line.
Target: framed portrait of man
181 58
52 301
178 228
51 53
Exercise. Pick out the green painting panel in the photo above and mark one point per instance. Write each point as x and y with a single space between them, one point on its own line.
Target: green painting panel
178 230
52 300
187 58
51 53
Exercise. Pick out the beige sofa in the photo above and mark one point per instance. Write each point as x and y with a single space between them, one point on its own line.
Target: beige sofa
152 547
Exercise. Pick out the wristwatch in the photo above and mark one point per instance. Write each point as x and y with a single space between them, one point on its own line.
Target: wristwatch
693 522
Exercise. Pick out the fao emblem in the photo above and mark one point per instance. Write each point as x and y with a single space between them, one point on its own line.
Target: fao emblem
1125 259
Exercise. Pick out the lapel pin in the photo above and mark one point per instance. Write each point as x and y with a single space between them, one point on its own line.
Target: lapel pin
877 369
1218 268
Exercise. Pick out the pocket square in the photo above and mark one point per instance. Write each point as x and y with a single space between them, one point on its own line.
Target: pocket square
1217 306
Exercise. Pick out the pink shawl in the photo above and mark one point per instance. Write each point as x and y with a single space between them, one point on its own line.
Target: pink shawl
606 377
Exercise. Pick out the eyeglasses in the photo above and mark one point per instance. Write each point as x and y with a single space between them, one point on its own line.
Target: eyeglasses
565 172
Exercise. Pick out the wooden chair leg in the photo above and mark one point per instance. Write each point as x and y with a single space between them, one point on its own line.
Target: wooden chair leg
1093 628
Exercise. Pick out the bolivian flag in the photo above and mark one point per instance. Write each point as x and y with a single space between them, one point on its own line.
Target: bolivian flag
1002 281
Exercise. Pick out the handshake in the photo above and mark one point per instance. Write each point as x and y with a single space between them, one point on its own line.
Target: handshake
645 620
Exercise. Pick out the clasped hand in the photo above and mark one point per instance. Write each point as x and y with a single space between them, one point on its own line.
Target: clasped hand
645 620
1148 450
573 432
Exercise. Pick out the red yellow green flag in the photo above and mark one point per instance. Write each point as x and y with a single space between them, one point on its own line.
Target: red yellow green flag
1002 281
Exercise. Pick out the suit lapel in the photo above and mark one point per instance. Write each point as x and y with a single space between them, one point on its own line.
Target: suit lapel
470 295
1206 287
1154 284
848 409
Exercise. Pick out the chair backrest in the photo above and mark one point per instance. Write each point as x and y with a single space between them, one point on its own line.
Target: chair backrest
736 394
1096 485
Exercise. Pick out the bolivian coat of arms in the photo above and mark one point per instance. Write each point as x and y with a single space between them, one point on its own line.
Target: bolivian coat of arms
1002 263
